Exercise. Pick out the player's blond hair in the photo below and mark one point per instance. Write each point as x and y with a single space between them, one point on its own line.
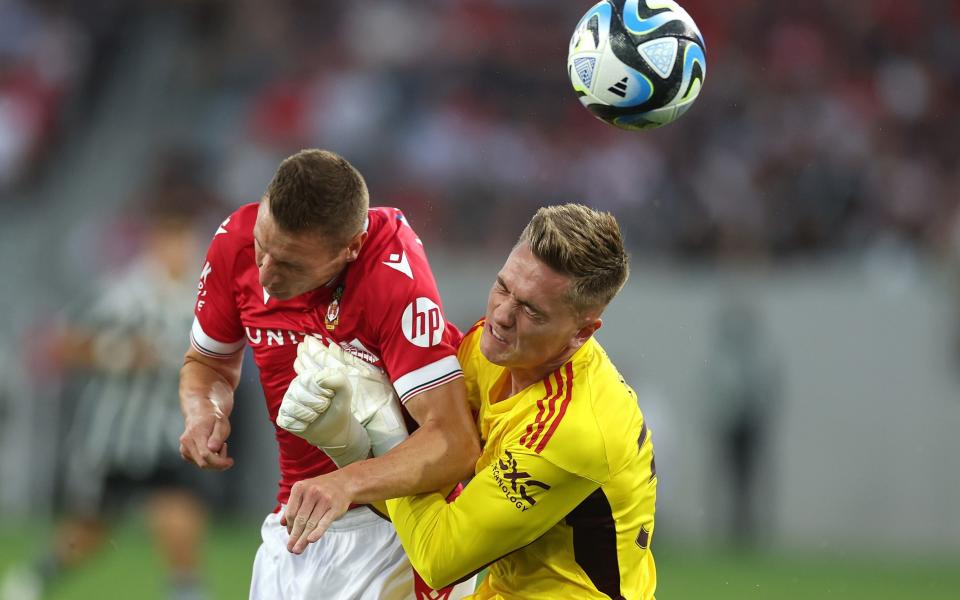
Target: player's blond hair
584 244
318 190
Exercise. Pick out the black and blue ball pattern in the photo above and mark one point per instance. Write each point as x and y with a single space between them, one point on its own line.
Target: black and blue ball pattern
637 64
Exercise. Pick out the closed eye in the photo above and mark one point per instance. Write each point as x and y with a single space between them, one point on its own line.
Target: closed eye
532 313
528 309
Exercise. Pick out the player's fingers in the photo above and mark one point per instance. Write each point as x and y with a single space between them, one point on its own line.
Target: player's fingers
299 543
290 424
310 354
328 355
298 527
328 382
303 385
305 362
313 346
300 409
217 461
298 364
220 461
310 384
328 518
196 450
188 447
348 360
219 435
293 505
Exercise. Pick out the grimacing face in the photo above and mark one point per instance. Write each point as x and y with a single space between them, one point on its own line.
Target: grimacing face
530 328
291 264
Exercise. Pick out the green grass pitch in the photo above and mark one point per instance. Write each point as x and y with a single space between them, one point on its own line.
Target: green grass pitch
129 567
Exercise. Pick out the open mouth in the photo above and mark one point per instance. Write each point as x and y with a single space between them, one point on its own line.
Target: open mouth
495 335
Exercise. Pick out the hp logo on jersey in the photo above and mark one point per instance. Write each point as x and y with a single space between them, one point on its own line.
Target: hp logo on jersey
422 323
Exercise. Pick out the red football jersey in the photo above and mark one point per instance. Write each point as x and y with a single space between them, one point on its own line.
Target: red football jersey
384 307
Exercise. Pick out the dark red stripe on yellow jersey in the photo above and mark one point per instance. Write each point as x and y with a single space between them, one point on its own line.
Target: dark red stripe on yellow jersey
534 429
563 408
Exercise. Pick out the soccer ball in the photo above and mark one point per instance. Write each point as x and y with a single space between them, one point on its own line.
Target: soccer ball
637 64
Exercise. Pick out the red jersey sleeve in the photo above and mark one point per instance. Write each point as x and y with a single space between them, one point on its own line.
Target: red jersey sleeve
418 346
217 330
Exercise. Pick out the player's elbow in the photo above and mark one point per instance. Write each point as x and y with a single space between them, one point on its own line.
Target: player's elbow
429 577
461 447
464 452
471 451
434 573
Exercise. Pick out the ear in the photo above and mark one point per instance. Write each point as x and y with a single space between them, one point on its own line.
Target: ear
353 246
586 332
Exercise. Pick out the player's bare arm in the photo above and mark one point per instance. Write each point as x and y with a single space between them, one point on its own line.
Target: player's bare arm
206 400
439 454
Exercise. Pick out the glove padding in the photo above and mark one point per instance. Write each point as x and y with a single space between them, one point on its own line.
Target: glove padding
374 402
368 393
316 407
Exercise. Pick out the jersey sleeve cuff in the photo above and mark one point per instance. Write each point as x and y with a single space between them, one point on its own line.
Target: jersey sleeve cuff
206 345
427 377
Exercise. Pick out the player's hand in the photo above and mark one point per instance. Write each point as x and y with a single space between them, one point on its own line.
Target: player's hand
316 407
373 400
313 505
204 441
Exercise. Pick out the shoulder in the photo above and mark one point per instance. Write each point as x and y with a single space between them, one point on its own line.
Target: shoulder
592 430
475 367
393 264
469 348
474 364
236 231
232 240
388 228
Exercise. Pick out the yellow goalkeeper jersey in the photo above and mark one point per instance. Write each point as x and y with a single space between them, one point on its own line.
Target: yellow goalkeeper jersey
562 503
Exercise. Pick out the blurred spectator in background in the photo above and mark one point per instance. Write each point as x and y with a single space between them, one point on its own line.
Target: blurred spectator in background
43 53
829 122
742 384
121 354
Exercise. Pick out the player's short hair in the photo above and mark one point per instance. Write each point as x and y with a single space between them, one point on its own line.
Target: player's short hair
318 190
585 245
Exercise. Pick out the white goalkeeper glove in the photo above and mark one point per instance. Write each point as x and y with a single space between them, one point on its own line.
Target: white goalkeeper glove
373 399
367 392
312 410
316 407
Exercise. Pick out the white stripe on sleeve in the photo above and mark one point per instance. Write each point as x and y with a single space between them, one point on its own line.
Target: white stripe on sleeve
206 345
427 377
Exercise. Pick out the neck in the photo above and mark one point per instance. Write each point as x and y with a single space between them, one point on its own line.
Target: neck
521 378
334 279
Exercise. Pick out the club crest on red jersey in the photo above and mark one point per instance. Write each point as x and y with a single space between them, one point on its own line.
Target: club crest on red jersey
333 309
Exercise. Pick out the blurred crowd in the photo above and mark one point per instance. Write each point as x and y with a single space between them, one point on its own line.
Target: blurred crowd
823 125
53 56
41 61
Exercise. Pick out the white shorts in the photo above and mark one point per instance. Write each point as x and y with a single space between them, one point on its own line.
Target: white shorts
358 558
